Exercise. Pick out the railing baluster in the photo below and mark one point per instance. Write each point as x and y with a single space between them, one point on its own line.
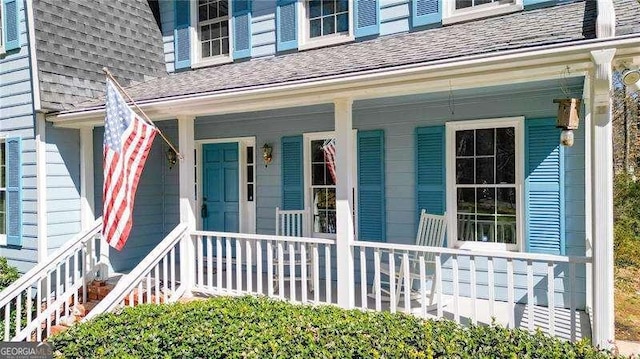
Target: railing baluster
28 306
248 245
39 308
156 274
456 289
406 271
131 298
57 292
392 282
7 322
491 284
510 293
423 289
148 288
219 255
292 272
316 274
551 298
172 264
259 266
48 298
238 265
209 263
270 277
229 286
530 295
327 270
165 276
363 278
280 269
67 283
472 273
140 293
572 299
18 313
377 285
303 271
199 261
438 280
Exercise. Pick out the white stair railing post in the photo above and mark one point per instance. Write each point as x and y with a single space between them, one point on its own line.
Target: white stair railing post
186 146
344 202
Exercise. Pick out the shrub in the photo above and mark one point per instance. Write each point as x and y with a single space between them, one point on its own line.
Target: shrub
627 221
8 274
251 327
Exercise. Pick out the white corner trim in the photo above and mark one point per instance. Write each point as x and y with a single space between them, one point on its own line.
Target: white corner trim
450 15
35 78
41 187
606 20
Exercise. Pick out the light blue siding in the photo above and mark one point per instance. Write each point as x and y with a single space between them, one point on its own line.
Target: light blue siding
167 16
263 28
395 16
17 120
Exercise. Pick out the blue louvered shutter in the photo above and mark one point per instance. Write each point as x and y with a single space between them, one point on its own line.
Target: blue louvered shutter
430 171
367 18
11 25
13 162
371 186
426 12
292 173
286 25
241 29
181 35
544 187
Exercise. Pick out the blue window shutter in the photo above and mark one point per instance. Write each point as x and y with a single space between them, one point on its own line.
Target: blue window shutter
241 29
14 191
181 34
371 186
544 187
286 25
292 173
367 18
426 12
430 169
11 26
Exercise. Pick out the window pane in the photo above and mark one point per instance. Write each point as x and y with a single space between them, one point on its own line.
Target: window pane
328 7
486 229
317 174
205 33
216 48
225 45
314 9
506 229
506 202
324 203
215 31
206 49
466 227
464 143
315 28
329 179
505 155
464 171
328 25
225 28
467 200
342 5
331 198
317 154
461 4
484 170
343 22
202 13
480 2
213 10
249 173
486 198
250 154
2 213
484 142
223 8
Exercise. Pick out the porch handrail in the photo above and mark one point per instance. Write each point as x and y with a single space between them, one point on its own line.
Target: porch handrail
476 253
265 237
128 283
27 279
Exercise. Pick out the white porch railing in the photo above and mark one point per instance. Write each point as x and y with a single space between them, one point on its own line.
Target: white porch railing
37 300
155 280
237 264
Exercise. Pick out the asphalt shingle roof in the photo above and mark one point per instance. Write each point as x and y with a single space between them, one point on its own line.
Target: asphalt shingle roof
76 38
557 24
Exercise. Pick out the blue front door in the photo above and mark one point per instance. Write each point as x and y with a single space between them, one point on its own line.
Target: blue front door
220 208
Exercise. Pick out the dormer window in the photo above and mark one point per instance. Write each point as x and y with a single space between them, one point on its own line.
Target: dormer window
325 22
213 31
464 10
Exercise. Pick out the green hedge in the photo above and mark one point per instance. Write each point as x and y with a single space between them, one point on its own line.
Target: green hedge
250 327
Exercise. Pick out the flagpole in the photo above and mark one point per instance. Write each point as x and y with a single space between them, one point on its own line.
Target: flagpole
147 119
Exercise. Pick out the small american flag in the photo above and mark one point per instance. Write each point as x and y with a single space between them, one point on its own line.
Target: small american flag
127 141
329 150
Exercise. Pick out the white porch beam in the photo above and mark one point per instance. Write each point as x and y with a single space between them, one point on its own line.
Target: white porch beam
602 198
186 146
344 201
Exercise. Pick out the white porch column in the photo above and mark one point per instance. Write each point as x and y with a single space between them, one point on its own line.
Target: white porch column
344 202
602 198
41 187
186 146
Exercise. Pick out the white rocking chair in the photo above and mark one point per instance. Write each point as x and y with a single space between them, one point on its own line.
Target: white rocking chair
293 223
431 232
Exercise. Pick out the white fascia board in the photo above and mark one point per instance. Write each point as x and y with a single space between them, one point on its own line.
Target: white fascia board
466 72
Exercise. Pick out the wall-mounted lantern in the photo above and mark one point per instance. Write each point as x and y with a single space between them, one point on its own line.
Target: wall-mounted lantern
568 119
172 157
267 154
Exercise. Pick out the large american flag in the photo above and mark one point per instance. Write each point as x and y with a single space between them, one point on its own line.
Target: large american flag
127 140
329 150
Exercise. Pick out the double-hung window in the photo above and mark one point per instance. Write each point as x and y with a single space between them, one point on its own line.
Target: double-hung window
463 10
3 193
326 22
484 183
213 30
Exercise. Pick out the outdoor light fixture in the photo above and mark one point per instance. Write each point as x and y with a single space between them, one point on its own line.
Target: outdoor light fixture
267 151
631 79
172 157
568 119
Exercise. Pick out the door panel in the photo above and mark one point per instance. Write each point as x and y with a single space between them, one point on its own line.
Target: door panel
220 187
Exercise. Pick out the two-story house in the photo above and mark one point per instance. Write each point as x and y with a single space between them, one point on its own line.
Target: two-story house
437 105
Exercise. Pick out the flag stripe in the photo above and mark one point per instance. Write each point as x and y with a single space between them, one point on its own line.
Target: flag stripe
330 158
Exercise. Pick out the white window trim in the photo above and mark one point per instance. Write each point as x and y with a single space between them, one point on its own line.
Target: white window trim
3 21
196 53
305 42
451 128
247 209
3 236
450 15
308 195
